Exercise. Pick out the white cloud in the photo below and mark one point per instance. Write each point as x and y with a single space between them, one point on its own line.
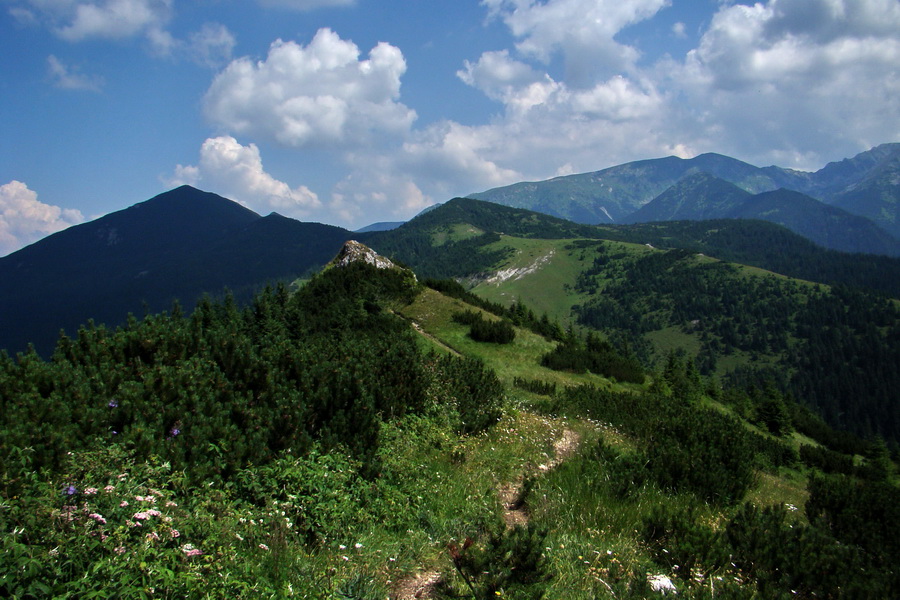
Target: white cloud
582 30
316 94
24 219
306 4
69 78
790 82
236 171
79 20
212 45
796 79
109 18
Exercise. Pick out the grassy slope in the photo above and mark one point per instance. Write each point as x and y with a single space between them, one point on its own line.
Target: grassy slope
546 274
591 537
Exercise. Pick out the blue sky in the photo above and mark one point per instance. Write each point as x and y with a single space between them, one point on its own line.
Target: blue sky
354 111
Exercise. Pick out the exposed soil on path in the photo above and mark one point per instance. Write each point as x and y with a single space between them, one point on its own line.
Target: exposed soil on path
417 586
515 512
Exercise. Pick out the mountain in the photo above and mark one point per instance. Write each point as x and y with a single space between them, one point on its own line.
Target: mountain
610 195
178 245
866 185
463 237
701 196
828 226
876 194
664 286
696 197
381 226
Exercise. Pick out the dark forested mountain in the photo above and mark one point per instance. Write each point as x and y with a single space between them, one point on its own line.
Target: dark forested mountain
696 197
751 242
177 245
867 185
701 196
828 226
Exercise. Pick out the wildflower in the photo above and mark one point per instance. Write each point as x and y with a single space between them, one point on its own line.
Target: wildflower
97 517
175 533
141 516
170 504
153 512
113 403
263 547
120 550
342 547
70 490
345 558
123 503
109 489
357 545
174 432
194 552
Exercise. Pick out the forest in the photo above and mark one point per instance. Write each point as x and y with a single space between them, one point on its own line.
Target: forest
314 444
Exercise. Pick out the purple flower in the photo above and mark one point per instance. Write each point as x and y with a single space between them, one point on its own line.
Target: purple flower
70 490
174 431
113 404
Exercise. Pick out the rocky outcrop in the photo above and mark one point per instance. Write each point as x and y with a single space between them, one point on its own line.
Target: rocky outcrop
354 251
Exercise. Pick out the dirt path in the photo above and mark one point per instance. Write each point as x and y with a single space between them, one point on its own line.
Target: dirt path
421 585
514 510
418 329
417 586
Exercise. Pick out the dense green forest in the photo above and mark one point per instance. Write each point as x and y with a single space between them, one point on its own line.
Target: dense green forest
835 348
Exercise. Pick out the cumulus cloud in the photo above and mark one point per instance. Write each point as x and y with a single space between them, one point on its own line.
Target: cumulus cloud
24 219
319 94
236 171
790 79
789 82
69 78
583 31
306 4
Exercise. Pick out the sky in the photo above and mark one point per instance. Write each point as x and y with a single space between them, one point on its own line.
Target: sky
350 112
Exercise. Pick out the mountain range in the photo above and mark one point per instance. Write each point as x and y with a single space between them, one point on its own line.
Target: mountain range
849 205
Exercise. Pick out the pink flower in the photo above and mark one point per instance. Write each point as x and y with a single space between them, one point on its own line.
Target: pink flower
120 550
153 512
175 533
141 516
97 517
91 491
123 503
152 536
263 547
194 552
109 488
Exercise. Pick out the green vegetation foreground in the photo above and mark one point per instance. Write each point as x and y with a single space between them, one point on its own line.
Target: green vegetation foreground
307 447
